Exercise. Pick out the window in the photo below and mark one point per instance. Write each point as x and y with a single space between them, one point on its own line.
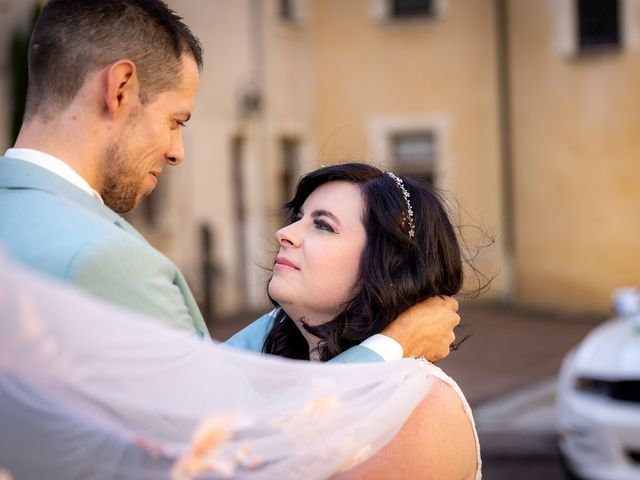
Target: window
290 158
287 10
237 180
598 24
417 146
414 154
292 12
400 9
394 11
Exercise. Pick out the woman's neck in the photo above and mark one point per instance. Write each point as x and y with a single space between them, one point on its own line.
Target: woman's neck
311 339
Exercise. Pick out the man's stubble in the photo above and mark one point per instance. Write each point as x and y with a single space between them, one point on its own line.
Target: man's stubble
121 186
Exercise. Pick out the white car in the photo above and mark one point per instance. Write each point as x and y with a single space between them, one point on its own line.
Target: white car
598 404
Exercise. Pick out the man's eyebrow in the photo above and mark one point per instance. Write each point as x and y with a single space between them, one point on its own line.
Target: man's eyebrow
326 213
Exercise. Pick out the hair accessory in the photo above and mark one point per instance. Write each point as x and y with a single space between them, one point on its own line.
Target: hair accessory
408 217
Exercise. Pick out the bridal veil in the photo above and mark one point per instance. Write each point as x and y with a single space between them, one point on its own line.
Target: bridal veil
89 390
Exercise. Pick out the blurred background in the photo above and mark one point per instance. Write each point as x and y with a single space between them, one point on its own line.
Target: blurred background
527 112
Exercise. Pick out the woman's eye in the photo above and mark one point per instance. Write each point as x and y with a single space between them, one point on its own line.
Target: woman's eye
322 225
296 217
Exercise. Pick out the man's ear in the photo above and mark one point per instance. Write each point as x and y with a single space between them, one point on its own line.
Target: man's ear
121 87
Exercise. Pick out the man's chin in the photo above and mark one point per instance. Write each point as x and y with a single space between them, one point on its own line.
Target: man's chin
120 205
143 194
136 201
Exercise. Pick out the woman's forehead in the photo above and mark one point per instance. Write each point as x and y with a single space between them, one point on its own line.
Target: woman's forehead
340 197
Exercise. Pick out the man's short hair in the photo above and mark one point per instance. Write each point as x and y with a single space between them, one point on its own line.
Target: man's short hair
73 38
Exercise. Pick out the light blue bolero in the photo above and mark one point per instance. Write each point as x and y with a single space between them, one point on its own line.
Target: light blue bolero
253 337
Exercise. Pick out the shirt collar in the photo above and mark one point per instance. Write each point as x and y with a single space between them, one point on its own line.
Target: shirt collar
54 165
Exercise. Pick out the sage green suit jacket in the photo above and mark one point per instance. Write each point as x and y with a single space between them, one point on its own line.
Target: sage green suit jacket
55 227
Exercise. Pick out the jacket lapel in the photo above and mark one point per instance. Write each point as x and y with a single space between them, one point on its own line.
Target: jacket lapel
21 175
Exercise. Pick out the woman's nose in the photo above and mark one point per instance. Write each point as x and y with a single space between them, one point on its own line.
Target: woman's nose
287 236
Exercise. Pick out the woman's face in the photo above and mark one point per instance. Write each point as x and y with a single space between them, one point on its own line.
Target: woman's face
319 258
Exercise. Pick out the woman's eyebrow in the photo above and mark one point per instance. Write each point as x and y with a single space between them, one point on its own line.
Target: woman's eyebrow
326 213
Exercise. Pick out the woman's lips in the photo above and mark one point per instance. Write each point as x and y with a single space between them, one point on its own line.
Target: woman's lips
284 264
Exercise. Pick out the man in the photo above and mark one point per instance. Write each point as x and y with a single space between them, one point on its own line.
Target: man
111 84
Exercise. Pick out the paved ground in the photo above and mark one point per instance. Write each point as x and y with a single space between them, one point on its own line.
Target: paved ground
507 369
509 349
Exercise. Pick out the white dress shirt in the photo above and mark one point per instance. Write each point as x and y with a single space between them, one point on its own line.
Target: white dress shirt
384 346
54 165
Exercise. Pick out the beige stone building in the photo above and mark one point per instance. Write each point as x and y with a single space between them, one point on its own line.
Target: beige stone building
524 111
576 152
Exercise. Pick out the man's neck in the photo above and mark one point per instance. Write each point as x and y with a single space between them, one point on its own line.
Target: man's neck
55 139
53 165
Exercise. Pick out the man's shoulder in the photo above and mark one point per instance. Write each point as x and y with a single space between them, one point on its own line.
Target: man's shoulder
43 211
50 232
30 190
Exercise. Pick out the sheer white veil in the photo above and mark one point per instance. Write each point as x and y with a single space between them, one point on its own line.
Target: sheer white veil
89 390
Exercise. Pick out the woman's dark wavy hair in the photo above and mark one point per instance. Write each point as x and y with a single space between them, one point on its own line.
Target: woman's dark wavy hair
396 271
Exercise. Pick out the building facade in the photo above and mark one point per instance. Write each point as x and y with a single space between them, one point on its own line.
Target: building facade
524 113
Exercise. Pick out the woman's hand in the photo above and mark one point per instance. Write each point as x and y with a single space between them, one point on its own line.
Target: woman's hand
426 329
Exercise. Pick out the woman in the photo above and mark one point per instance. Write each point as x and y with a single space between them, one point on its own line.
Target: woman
362 246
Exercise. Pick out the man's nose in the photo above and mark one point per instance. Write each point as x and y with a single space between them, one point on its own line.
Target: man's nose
175 152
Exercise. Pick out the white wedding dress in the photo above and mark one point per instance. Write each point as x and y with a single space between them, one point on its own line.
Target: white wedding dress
437 372
89 390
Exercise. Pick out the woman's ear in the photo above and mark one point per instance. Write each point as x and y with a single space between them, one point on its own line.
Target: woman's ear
121 87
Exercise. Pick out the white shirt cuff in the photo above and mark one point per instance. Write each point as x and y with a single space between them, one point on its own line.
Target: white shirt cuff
384 346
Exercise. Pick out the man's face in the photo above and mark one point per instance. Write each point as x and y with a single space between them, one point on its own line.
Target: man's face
150 138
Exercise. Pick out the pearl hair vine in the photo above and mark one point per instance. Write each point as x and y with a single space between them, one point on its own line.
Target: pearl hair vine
408 217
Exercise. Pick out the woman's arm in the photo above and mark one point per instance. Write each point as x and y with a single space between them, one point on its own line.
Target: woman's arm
437 442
